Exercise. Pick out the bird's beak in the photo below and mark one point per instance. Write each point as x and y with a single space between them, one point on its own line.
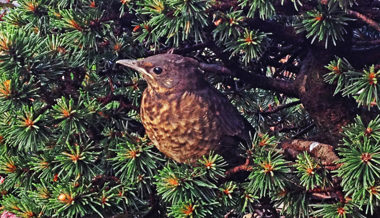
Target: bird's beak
134 64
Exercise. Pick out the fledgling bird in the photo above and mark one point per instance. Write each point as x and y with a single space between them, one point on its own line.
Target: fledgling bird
184 116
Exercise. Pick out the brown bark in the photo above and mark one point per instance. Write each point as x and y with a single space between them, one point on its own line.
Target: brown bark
243 167
324 152
330 113
365 19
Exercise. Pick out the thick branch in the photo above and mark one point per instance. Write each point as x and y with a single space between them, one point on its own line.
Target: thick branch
365 19
359 57
282 86
330 113
321 151
215 68
257 81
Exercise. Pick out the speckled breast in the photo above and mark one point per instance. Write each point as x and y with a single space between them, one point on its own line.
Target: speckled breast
182 125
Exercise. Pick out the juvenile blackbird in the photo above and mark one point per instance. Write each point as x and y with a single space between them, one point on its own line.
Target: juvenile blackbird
184 116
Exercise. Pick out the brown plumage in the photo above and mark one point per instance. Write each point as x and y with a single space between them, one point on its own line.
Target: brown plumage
184 116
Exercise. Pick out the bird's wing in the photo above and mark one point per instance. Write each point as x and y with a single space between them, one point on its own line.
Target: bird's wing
230 121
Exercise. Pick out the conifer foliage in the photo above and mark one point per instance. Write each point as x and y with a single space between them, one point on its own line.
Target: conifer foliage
71 141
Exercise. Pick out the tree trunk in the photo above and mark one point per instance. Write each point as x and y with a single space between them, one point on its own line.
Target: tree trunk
330 113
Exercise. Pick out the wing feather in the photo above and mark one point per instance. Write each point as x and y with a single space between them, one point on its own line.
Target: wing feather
231 122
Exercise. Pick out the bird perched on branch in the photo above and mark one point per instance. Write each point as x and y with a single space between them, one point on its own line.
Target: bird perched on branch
184 116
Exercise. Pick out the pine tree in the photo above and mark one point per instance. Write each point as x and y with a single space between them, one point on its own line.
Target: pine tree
305 74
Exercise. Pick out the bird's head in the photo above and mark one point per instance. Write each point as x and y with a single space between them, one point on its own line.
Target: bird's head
167 72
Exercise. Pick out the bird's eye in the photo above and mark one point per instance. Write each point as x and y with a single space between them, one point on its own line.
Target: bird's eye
157 70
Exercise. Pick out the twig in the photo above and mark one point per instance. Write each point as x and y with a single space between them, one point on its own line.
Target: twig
307 129
44 109
365 19
243 167
229 213
341 196
215 68
369 42
332 167
135 85
321 190
281 107
321 196
286 128
110 83
2 15
364 55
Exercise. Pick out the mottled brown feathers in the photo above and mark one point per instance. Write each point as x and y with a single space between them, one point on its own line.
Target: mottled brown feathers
190 118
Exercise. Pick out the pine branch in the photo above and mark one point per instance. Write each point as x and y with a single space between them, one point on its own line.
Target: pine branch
365 19
322 193
281 107
255 80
